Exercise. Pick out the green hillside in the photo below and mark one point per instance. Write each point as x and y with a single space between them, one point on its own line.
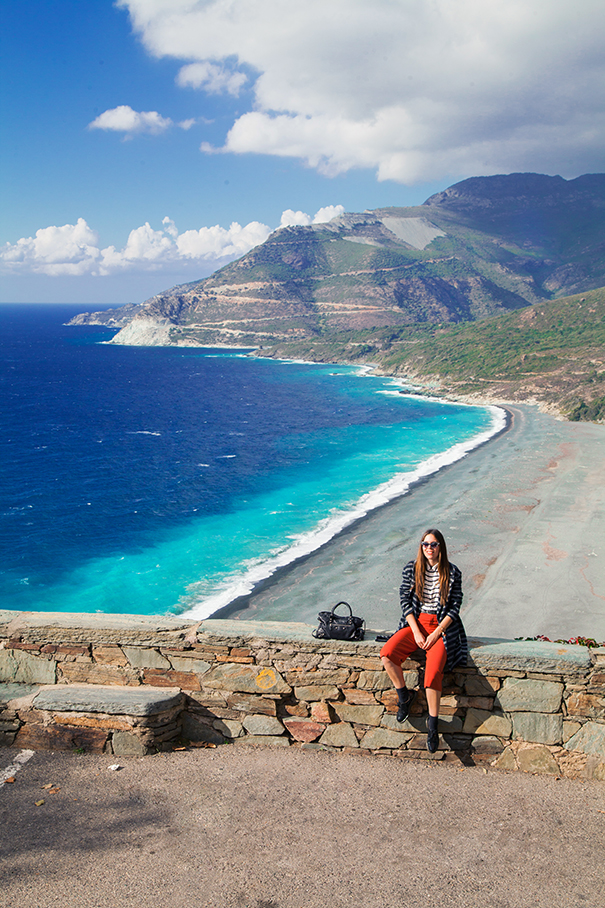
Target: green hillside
552 352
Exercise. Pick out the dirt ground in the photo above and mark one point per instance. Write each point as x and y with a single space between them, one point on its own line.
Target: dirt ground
246 827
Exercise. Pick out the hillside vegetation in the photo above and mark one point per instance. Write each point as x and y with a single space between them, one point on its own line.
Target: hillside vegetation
553 353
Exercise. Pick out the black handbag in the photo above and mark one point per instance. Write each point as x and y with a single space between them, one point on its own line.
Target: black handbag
340 627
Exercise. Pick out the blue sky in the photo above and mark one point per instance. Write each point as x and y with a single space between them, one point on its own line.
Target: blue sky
147 142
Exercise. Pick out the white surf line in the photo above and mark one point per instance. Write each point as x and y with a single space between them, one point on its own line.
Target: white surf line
20 760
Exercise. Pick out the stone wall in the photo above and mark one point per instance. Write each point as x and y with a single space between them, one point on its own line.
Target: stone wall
537 707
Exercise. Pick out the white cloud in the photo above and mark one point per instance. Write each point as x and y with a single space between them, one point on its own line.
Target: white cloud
212 78
415 89
125 119
216 242
291 218
71 249
74 249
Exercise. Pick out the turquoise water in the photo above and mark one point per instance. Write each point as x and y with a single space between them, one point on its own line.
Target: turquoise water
156 481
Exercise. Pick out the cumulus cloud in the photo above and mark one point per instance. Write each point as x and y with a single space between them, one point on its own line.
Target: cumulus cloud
292 218
71 249
132 122
212 78
415 89
74 249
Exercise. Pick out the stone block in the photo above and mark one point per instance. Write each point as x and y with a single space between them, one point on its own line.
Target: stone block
524 695
111 723
126 701
590 739
263 725
486 744
374 681
322 712
168 678
251 703
182 664
211 699
378 738
532 656
598 772
241 652
340 734
389 700
304 729
125 743
16 692
303 662
91 673
229 728
242 660
302 679
542 676
591 706
536 758
477 702
506 760
570 728
296 710
245 678
414 724
359 715
481 685
321 692
19 667
450 701
109 655
450 725
359 697
483 722
145 657
34 736
538 728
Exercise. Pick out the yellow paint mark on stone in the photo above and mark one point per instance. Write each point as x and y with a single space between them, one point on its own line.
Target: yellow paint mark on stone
266 679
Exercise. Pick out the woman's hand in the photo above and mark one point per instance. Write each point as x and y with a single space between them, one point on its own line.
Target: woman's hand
419 638
431 639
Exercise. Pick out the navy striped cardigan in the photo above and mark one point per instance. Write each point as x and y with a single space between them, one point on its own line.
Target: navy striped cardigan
456 645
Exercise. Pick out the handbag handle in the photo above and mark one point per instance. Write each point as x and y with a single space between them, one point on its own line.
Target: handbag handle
342 603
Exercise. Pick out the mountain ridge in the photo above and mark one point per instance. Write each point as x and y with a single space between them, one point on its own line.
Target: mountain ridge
480 249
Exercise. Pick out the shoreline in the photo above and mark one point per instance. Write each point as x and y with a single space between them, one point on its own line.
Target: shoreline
516 512
314 541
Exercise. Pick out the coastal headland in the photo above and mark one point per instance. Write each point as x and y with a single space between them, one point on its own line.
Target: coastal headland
523 516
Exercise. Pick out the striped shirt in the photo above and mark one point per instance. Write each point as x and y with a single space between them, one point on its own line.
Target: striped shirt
430 594
454 636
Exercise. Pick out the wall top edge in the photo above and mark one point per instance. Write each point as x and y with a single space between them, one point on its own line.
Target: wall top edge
485 653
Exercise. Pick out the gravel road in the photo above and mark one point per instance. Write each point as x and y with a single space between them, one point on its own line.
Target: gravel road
247 827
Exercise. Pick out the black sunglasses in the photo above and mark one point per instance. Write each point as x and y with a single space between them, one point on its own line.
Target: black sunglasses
430 545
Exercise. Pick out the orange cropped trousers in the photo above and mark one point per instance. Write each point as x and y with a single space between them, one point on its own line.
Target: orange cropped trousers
402 644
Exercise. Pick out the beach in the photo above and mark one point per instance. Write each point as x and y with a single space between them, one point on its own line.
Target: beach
523 517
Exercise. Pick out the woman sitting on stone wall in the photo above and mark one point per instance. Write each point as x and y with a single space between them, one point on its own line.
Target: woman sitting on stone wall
431 596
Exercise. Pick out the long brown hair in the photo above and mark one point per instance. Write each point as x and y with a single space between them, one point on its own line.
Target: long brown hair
443 563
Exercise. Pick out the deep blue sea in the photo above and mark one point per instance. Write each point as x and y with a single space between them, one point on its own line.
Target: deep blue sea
157 480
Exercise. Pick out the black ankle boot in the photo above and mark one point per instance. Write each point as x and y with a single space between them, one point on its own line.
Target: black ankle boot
406 698
432 738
